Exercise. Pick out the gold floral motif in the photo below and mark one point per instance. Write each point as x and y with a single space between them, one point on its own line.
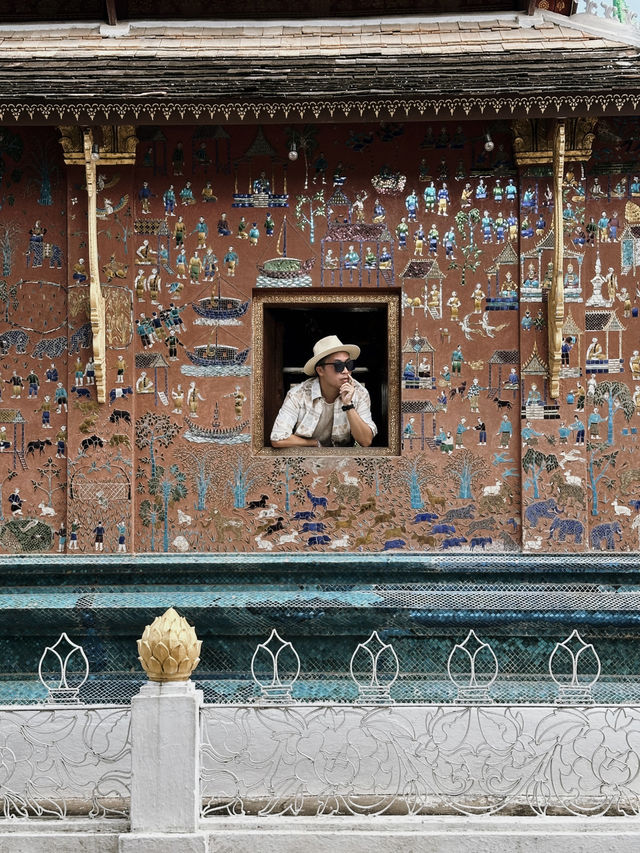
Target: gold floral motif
79 310
119 308
169 649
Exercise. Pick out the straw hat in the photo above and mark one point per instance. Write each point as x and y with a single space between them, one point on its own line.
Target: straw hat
326 346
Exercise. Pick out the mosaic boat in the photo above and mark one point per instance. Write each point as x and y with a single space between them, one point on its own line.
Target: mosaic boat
220 308
217 355
277 268
216 433
284 267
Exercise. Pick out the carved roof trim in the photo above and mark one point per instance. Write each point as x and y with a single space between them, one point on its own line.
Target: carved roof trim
166 72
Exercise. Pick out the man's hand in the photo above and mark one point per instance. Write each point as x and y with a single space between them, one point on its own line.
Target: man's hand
347 390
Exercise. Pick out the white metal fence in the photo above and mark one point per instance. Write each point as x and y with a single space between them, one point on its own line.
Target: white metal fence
276 756
413 759
60 761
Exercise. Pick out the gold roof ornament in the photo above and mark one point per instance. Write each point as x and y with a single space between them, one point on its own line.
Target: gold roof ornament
169 649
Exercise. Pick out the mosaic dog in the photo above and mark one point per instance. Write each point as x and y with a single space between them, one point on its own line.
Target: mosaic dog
459 512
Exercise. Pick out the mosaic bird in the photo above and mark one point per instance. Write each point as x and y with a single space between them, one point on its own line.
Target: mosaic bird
491 330
109 208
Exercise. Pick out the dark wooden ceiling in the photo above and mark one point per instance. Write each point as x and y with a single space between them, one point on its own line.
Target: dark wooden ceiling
114 11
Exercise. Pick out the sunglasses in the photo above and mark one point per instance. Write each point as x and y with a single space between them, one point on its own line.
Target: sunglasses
339 366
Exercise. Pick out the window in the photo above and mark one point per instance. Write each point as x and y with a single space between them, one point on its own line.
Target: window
285 327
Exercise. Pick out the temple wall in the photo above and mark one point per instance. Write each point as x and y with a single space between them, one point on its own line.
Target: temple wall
171 462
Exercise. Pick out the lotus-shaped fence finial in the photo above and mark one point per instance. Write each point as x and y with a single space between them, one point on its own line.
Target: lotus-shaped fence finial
169 649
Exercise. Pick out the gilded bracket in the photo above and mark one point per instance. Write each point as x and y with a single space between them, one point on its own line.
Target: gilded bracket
555 305
535 138
81 148
116 144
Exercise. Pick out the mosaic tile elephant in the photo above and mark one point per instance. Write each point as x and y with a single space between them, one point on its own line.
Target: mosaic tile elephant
539 510
605 533
567 527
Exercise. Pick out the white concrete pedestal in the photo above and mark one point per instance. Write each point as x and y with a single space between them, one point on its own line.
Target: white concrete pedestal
165 770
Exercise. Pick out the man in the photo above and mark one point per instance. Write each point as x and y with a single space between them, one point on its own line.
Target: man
169 199
456 360
15 502
230 260
481 429
33 383
593 422
412 205
460 431
99 537
329 409
578 426
505 431
122 533
17 385
530 435
603 227
594 351
61 399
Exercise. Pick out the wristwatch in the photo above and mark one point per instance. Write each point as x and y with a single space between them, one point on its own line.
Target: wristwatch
349 406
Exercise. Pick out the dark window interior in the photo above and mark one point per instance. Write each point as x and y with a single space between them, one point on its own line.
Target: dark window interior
289 335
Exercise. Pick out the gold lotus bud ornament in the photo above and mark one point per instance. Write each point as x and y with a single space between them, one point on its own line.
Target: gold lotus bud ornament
169 649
